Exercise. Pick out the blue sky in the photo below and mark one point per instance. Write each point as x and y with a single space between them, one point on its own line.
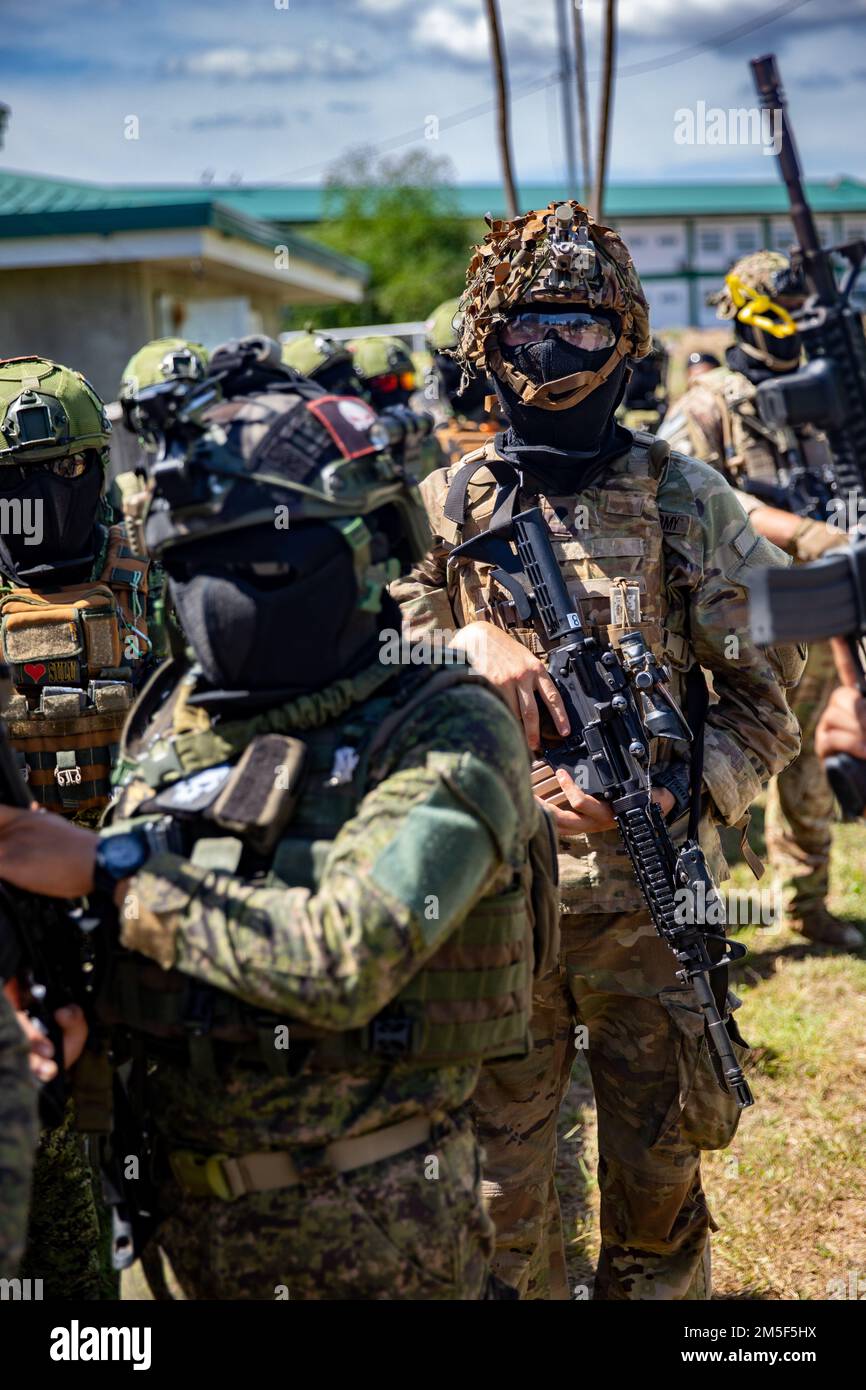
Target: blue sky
276 90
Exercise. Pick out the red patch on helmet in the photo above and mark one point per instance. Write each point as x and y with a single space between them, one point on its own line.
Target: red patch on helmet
347 420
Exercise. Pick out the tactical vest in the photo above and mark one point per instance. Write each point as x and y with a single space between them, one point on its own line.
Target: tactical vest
470 1002
723 412
74 655
609 541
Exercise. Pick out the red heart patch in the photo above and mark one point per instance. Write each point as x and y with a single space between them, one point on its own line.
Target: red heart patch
35 670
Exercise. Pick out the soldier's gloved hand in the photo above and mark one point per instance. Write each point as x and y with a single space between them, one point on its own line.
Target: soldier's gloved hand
516 673
44 854
575 812
812 539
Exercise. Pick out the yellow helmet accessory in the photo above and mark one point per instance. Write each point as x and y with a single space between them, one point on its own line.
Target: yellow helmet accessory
755 309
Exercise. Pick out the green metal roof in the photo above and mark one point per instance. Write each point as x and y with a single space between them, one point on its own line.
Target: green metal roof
27 194
36 207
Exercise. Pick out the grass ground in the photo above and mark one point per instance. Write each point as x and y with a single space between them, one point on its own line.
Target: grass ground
789 1195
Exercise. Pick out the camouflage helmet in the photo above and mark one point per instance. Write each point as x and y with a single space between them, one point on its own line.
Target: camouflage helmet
312 350
763 272
380 357
48 411
161 360
443 326
554 254
276 458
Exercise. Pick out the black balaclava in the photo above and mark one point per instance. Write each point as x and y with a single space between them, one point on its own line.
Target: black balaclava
469 402
62 513
286 627
785 350
339 378
556 447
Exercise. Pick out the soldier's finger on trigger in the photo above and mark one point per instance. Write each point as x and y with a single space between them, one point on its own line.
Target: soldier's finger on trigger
552 698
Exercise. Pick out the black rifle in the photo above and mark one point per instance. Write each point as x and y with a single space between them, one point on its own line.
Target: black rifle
607 754
48 946
808 603
829 392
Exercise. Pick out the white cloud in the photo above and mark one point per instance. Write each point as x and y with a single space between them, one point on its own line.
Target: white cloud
320 59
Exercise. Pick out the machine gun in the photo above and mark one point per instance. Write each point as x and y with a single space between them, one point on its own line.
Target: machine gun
829 392
613 701
47 948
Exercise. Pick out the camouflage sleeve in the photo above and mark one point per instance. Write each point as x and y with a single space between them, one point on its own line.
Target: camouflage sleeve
448 825
751 733
18 1134
693 426
423 594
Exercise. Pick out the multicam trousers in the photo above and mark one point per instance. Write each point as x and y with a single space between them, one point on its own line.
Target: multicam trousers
658 1105
800 802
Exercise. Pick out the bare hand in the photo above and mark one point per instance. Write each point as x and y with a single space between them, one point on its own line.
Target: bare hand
842 726
45 854
73 1027
586 815
516 673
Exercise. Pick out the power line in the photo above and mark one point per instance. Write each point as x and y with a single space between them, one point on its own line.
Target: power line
537 84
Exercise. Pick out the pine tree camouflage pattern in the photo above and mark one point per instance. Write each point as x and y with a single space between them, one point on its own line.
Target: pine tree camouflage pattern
18 1131
669 552
338 928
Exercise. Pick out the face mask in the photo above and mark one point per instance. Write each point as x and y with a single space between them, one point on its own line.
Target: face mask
583 429
287 625
49 519
767 352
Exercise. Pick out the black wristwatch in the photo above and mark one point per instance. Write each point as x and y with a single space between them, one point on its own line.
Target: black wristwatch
118 857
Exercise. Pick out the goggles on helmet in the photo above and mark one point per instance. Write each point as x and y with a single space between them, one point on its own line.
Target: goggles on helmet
393 381
72 466
578 329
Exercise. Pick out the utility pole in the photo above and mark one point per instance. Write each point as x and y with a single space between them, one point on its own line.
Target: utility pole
582 97
5 113
567 104
606 106
500 73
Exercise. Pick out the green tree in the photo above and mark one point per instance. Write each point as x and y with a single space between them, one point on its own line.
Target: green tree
400 216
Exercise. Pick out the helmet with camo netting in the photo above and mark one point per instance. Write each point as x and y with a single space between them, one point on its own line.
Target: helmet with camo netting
557 254
48 412
764 273
162 360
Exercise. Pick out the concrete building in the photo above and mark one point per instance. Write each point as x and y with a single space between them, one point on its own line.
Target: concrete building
88 274
685 236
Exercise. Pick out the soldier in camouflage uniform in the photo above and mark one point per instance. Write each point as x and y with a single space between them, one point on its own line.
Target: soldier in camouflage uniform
323 360
162 359
78 634
385 369
717 420
462 419
645 402
553 308
323 861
